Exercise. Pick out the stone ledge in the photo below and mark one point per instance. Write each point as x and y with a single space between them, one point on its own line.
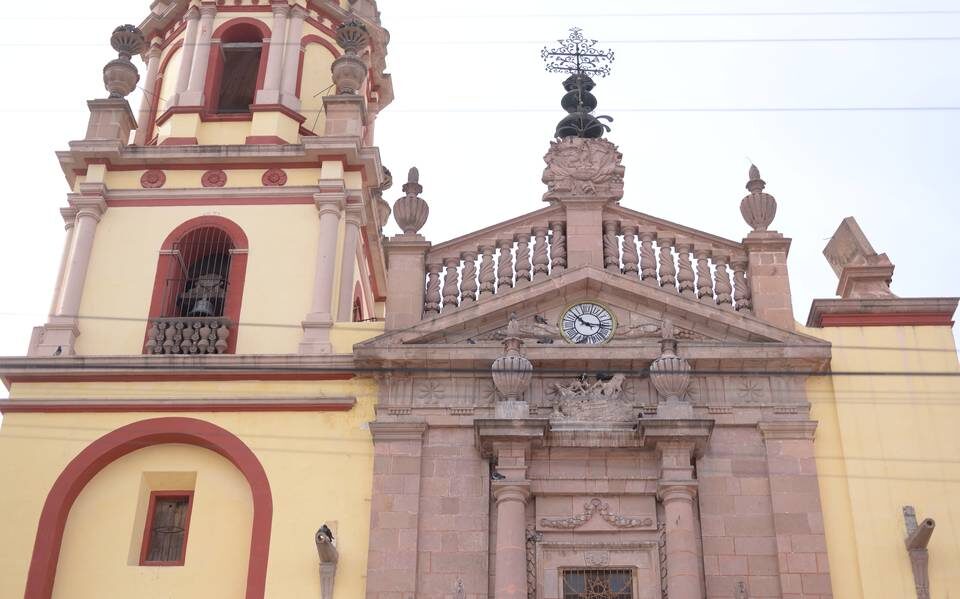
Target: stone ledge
894 311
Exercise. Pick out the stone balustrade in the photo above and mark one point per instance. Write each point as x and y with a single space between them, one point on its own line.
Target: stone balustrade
487 264
713 272
188 335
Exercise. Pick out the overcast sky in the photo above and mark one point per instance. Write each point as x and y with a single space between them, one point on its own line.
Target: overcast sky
475 111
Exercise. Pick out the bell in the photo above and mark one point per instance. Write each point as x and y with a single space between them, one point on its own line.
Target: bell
203 307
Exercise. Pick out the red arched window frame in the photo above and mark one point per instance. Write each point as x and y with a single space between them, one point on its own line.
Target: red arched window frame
236 277
239 29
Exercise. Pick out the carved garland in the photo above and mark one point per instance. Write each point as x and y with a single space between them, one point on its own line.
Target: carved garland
595 506
153 179
274 177
214 178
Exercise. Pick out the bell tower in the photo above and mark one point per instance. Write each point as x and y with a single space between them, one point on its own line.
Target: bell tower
245 188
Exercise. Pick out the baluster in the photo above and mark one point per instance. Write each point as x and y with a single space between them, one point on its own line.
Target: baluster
741 290
558 248
541 262
504 265
648 259
523 258
611 246
685 269
431 304
468 284
722 282
668 270
451 284
704 279
631 258
488 277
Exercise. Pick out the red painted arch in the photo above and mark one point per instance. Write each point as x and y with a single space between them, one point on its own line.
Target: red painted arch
236 277
125 440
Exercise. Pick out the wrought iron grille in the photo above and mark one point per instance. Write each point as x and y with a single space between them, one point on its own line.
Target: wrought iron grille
598 584
198 275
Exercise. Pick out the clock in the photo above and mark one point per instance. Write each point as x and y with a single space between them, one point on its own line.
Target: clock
587 323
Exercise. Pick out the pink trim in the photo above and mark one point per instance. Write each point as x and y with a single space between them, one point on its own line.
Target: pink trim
86 406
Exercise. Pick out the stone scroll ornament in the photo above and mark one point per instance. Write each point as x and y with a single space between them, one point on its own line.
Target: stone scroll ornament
595 506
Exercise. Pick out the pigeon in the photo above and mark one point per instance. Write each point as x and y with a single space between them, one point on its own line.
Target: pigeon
604 376
326 531
59 350
540 319
494 475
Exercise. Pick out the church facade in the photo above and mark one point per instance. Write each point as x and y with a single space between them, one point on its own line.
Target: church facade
580 402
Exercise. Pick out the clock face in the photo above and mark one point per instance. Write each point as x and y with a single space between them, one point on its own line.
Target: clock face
587 323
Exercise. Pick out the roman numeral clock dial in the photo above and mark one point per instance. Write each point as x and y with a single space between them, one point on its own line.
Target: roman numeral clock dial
587 323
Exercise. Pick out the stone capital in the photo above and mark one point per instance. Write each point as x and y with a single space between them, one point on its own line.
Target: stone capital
397 431
298 12
208 9
677 490
329 202
280 8
193 13
69 215
511 490
93 207
788 430
492 432
353 214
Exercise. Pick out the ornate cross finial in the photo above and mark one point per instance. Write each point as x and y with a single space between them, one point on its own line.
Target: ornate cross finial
576 55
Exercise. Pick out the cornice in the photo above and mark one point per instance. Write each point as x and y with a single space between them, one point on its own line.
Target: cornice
892 311
788 430
397 431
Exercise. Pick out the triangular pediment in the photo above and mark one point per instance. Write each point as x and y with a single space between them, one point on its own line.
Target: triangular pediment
639 309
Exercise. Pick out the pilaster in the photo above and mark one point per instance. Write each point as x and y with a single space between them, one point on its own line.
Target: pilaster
405 281
270 94
353 220
186 58
797 514
147 101
193 95
395 509
291 58
768 277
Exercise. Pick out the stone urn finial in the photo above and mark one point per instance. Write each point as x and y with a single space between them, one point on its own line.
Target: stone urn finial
383 206
758 208
120 76
411 211
350 70
511 374
670 373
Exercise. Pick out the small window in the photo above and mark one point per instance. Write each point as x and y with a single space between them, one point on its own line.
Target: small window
598 584
165 536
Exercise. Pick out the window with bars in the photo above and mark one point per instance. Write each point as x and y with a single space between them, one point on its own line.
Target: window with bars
198 276
598 584
168 521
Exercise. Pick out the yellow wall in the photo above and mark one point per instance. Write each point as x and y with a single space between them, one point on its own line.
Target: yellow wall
300 452
277 291
316 84
884 442
101 546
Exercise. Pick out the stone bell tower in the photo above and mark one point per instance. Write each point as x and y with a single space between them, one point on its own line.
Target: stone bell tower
248 173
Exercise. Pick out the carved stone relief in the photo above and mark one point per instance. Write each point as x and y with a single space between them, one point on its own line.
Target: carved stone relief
600 401
578 167
596 506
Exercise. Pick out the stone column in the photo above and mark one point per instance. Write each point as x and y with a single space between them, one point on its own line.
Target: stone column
797 515
348 259
511 557
395 509
69 215
291 58
61 331
193 96
270 94
683 560
316 327
149 93
186 54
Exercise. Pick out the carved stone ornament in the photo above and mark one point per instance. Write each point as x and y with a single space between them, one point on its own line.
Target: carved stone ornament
579 167
274 177
153 179
214 178
758 208
596 506
411 211
600 401
349 70
670 373
120 77
512 371
918 537
535 329
863 272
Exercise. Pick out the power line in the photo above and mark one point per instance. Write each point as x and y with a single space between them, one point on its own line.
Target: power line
705 109
819 13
